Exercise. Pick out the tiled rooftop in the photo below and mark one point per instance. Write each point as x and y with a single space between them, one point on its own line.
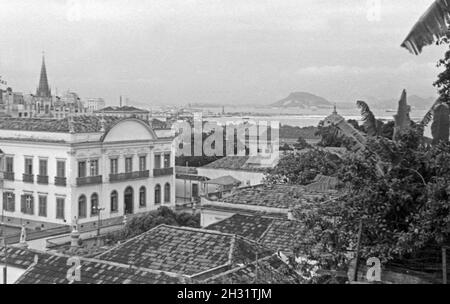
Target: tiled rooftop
273 233
277 196
183 250
323 183
53 269
81 124
271 270
234 163
20 258
251 227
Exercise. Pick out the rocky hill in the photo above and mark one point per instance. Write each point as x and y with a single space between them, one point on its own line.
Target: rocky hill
302 100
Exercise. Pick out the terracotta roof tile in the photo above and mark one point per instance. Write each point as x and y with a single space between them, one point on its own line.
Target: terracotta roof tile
82 124
53 269
234 163
277 196
271 270
183 250
251 227
273 233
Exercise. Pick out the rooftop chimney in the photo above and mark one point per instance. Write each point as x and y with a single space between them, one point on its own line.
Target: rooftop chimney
74 235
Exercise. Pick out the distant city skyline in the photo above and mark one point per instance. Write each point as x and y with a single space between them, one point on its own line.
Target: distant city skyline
216 51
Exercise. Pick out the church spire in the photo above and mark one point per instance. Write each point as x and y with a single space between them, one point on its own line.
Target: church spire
43 89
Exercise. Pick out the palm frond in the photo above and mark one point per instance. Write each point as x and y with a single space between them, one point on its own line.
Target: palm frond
370 122
429 115
431 26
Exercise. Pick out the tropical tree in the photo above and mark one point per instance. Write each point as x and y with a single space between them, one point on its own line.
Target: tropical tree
433 28
441 124
143 223
371 125
302 168
430 28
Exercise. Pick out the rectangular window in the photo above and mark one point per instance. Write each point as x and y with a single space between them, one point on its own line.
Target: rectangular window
42 205
27 204
28 166
142 163
157 164
9 164
167 160
60 208
94 167
81 169
43 167
128 164
114 166
9 201
61 168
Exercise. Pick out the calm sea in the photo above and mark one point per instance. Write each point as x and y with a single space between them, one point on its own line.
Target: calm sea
297 117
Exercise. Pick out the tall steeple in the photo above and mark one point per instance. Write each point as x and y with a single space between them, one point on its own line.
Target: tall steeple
43 89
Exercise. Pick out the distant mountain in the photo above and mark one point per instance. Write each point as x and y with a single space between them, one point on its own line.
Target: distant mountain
302 100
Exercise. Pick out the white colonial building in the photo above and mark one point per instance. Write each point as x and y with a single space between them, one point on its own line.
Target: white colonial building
58 171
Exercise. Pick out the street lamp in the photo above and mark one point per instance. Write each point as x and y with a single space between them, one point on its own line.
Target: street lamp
98 209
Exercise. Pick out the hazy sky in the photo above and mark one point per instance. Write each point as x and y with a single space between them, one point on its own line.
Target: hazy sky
224 51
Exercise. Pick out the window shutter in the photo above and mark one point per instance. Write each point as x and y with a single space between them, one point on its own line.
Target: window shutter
32 205
5 201
23 207
13 203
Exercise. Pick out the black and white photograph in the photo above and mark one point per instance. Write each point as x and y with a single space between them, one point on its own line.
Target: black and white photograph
203 144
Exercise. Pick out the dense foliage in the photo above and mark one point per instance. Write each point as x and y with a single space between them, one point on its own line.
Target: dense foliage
302 144
302 168
401 212
405 209
143 223
287 131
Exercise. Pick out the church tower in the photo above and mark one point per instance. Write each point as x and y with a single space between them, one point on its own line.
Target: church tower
43 89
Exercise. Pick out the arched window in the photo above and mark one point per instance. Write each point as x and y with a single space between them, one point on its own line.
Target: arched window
82 210
142 197
167 193
157 194
128 200
114 201
94 204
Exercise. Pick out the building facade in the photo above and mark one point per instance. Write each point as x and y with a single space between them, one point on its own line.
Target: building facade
61 171
123 112
42 104
94 104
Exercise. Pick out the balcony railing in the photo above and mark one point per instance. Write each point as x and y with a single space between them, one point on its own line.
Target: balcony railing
8 175
60 181
128 176
42 179
162 171
28 178
89 180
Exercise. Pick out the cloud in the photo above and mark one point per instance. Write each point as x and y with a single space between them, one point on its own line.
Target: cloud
342 70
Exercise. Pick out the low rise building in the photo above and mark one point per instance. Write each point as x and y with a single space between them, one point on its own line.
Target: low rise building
73 169
94 104
123 112
162 255
248 170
